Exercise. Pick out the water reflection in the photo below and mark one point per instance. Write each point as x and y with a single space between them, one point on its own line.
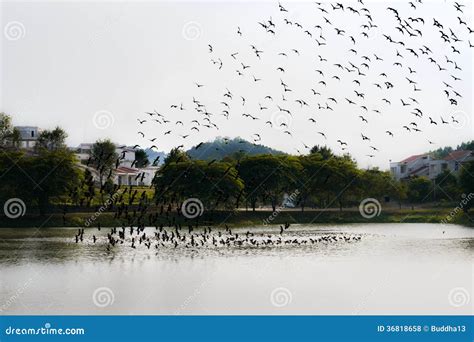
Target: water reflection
405 268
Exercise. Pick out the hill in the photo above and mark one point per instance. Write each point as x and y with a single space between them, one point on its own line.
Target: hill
224 147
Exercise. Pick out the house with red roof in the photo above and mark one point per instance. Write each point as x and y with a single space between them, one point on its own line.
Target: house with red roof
125 174
416 165
456 158
426 165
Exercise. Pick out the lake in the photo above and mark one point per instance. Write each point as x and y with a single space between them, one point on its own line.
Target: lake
393 269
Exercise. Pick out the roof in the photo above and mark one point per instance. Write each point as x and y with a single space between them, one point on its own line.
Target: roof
459 155
124 169
412 158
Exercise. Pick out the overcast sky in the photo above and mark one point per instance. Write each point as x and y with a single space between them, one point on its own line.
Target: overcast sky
89 65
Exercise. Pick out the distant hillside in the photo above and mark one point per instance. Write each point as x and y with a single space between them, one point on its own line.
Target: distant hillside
153 154
440 153
223 147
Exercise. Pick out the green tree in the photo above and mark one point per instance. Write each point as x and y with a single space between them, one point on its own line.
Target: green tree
103 159
88 186
314 176
466 181
141 158
251 170
55 174
378 184
343 180
9 136
52 140
466 146
441 152
39 179
176 156
283 179
219 184
399 190
446 186
324 151
268 177
214 184
14 182
419 189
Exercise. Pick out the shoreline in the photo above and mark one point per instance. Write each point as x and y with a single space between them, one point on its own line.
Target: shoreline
220 218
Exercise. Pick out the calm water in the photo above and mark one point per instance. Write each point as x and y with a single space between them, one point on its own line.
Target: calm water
393 269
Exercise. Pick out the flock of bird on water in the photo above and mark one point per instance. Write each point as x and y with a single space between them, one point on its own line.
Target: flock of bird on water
406 43
177 237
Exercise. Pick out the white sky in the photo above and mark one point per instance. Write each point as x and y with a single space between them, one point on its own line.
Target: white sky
76 61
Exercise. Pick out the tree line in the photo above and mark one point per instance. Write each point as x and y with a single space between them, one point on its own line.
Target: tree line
320 179
51 175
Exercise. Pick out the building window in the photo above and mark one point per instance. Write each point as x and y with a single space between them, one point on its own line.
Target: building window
32 134
403 169
456 166
444 166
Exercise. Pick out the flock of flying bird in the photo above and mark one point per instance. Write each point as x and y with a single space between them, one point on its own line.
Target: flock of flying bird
404 43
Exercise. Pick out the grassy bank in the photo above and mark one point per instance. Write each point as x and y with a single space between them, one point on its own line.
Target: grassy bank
244 218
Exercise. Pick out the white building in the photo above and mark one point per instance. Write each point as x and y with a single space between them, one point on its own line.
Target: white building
425 165
83 152
416 165
127 154
456 158
28 136
125 174
131 176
